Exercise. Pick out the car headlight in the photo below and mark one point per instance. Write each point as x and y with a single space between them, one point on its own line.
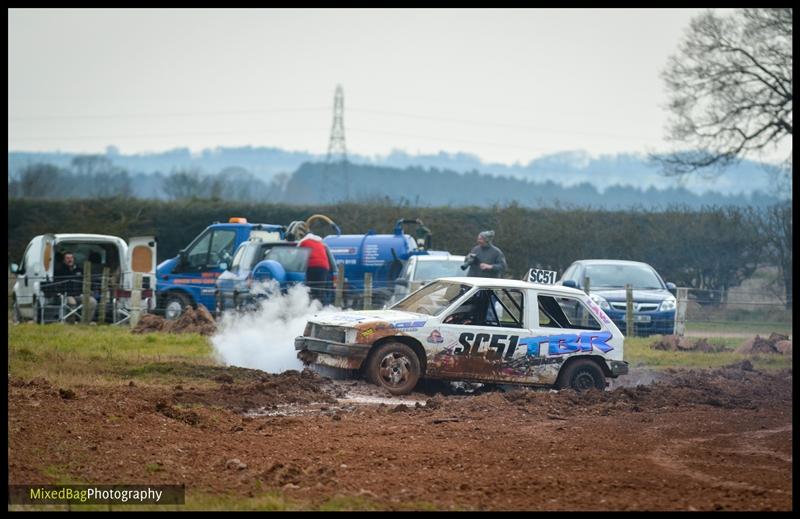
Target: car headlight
600 301
667 305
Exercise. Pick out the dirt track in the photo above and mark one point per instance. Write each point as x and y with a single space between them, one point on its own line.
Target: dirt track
704 440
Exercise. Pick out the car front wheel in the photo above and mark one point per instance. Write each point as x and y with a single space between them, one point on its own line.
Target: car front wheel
174 306
394 366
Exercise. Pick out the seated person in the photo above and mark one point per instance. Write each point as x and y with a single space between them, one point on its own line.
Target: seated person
464 315
70 275
469 312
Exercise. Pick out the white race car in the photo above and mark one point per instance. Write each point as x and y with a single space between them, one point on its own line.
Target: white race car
473 329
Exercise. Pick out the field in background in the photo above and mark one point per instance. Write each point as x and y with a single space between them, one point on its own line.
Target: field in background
75 354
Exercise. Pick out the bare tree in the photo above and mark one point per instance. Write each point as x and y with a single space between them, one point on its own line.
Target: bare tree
730 88
38 180
776 226
89 165
183 184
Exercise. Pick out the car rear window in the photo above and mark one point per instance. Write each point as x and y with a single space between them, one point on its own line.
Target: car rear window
293 259
565 312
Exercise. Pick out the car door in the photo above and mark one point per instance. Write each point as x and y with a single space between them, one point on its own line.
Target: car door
38 253
141 259
565 326
204 262
488 327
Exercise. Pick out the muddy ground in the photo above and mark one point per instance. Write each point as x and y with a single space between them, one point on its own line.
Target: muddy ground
706 440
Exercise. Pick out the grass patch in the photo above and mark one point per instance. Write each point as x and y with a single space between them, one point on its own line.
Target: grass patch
272 500
60 475
100 355
744 327
153 468
638 353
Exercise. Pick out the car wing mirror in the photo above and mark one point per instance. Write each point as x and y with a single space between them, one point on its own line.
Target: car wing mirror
14 268
569 283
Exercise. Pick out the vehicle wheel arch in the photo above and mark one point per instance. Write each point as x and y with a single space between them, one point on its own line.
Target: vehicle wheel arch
165 296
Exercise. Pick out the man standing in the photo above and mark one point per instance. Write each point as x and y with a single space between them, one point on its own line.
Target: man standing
317 272
485 260
68 273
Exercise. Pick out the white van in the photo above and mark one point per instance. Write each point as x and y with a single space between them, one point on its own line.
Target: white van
33 291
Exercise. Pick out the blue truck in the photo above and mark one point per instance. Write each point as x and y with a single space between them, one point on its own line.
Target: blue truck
382 255
190 278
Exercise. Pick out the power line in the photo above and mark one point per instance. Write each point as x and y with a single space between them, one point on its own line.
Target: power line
160 135
165 115
435 138
468 122
485 123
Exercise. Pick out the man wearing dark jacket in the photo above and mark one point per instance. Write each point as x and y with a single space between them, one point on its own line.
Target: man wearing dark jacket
71 276
485 260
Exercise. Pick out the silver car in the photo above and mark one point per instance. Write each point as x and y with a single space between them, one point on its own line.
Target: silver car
424 268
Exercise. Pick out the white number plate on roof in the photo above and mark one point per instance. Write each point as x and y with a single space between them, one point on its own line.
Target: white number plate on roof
544 277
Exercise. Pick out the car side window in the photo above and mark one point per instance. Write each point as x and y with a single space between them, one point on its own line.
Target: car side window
507 306
565 312
198 254
500 307
222 243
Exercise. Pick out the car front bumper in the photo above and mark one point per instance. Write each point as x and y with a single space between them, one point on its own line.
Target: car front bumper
659 323
617 368
312 350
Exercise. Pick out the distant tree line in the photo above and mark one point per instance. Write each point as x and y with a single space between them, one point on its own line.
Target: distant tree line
711 248
95 176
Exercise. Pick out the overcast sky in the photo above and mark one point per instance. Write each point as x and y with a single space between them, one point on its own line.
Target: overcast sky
506 85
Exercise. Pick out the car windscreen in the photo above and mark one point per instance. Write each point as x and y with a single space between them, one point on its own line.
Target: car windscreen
427 270
292 259
433 299
613 276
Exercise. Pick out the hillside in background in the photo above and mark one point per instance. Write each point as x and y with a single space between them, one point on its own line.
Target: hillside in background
316 183
567 169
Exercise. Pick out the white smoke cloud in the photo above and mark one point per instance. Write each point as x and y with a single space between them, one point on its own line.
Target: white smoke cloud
265 339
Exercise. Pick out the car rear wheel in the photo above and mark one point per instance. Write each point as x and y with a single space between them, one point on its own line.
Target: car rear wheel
582 375
174 306
394 366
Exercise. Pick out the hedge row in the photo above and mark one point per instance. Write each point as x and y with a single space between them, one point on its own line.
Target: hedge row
709 248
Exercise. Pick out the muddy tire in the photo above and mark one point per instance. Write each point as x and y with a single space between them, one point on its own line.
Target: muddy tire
394 366
174 306
582 375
